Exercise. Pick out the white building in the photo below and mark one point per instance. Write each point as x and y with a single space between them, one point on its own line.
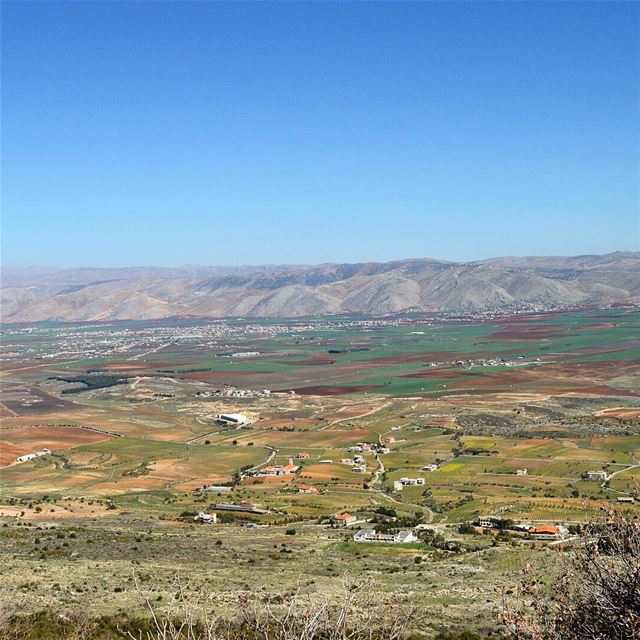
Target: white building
486 523
430 467
32 456
206 518
234 418
521 472
278 470
405 537
26 457
397 485
217 489
597 475
412 482
371 535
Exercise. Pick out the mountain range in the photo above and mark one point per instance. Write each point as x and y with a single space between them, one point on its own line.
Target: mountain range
500 284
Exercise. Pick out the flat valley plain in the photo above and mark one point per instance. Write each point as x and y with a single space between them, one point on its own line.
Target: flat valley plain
129 411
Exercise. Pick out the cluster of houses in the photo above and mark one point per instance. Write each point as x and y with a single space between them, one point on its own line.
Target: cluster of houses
232 392
239 354
32 456
543 532
371 535
483 362
368 447
307 488
277 470
357 462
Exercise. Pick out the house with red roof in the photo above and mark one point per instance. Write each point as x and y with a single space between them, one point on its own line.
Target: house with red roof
344 519
306 488
544 532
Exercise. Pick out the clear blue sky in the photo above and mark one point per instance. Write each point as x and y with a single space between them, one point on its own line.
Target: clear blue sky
212 133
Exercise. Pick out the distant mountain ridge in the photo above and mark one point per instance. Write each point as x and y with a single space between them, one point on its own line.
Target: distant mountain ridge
498 284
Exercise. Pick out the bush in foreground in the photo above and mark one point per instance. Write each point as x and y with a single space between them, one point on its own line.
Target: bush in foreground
596 594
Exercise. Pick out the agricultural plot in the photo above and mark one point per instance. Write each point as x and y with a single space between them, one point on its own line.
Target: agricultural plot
514 413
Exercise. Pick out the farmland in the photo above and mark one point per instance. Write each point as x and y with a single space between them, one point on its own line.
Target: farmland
130 412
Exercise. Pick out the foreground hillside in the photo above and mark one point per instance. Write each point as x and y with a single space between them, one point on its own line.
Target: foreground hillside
502 284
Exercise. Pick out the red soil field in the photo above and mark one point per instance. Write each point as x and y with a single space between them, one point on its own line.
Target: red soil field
595 325
28 401
585 378
321 390
284 422
353 410
622 413
446 375
5 412
141 366
605 390
526 332
19 441
317 360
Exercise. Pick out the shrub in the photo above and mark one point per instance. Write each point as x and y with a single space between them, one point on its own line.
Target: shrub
466 527
595 593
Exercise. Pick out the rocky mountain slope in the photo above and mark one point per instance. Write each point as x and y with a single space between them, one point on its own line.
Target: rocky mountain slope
41 293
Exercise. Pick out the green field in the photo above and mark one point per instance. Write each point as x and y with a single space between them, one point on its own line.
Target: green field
556 394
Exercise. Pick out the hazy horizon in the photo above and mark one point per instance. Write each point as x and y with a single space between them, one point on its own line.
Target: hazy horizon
300 264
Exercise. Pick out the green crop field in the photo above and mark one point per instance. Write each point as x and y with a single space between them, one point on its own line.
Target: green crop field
557 395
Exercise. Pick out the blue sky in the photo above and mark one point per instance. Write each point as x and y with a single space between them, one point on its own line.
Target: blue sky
241 133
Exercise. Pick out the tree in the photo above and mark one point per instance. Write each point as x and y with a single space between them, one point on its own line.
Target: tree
595 595
466 527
